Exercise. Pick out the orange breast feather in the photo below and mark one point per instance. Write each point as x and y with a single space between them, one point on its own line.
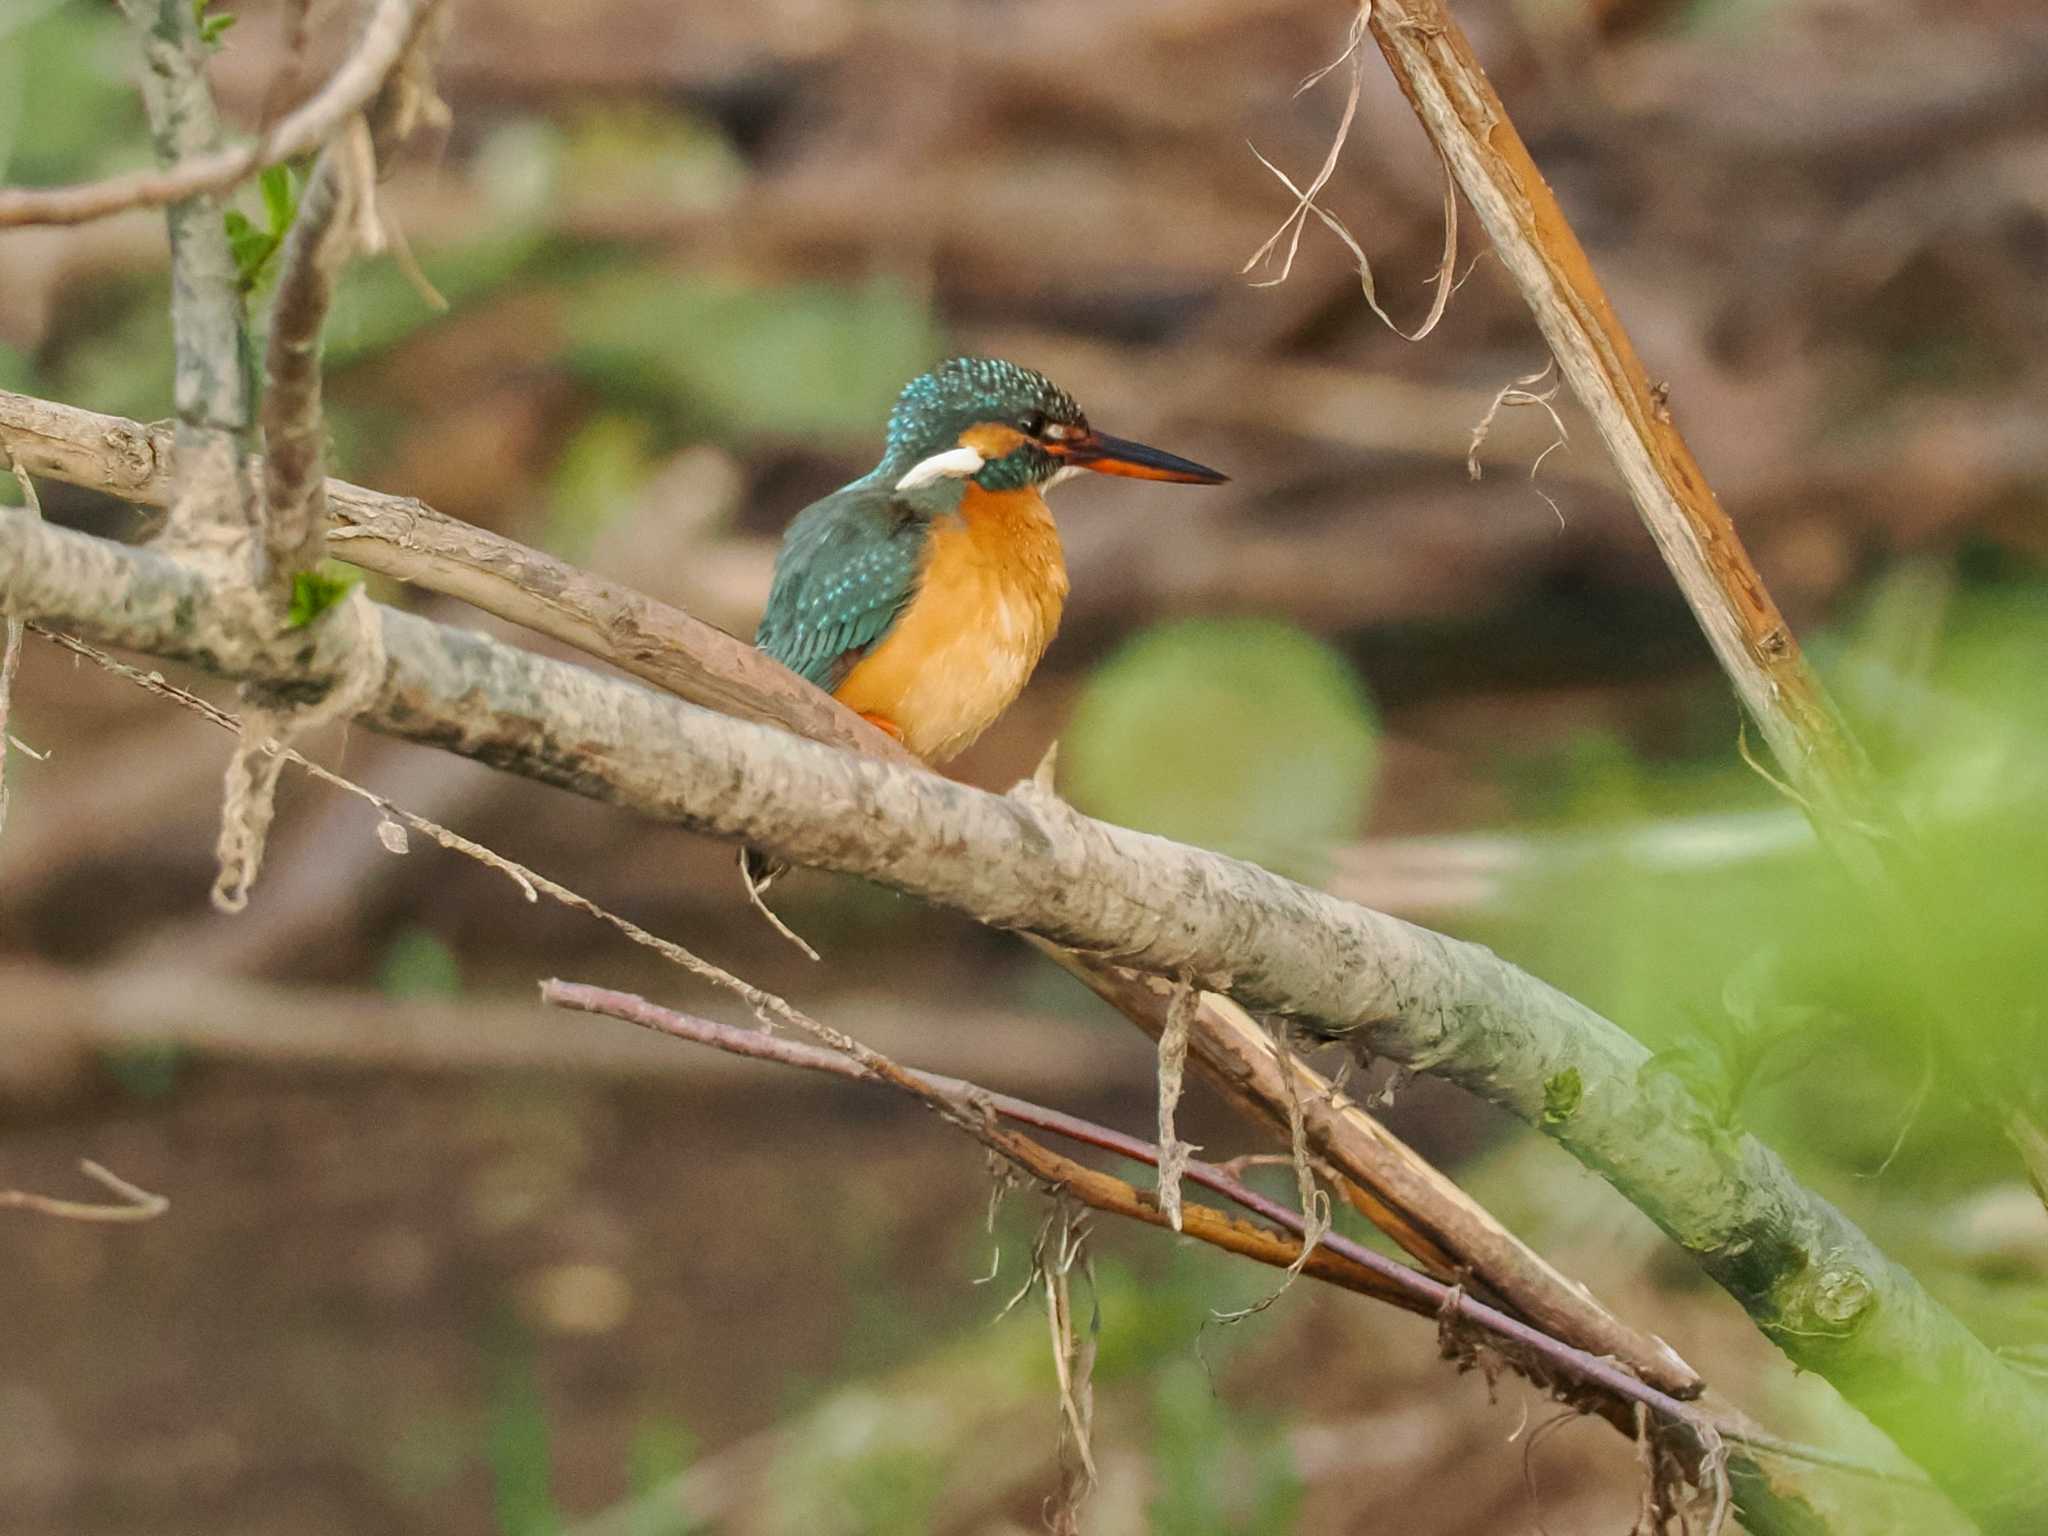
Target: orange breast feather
994 581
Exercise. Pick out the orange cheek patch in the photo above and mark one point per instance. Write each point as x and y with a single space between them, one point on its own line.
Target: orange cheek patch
992 440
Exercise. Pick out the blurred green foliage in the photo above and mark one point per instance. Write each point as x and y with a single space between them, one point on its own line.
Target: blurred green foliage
596 479
122 362
866 1465
417 964
653 159
1216 1473
738 358
66 69
1762 983
517 1443
16 368
376 306
1248 736
146 1069
663 1448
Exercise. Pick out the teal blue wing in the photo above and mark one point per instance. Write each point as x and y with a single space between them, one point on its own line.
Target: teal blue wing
848 567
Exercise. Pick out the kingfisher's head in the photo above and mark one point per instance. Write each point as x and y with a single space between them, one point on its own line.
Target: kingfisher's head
1005 428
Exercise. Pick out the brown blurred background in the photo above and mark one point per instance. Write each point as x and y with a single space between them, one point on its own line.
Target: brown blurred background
437 1260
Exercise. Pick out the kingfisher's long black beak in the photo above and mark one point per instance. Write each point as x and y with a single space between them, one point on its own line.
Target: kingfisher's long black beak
1116 456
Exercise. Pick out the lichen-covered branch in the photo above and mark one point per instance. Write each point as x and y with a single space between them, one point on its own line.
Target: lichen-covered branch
212 507
404 538
203 168
1426 1213
1028 862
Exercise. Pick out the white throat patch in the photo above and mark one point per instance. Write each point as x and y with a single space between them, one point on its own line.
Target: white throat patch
1063 474
953 464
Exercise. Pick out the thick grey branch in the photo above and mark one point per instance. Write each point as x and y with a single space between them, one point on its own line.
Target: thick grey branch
1025 861
1427 1214
208 168
404 538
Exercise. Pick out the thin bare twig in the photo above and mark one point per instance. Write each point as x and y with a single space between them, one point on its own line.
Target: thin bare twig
347 91
1393 1282
137 1204
294 434
1305 203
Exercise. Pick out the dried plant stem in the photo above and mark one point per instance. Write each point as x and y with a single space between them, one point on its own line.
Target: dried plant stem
1435 68
1828 772
136 1204
1391 1282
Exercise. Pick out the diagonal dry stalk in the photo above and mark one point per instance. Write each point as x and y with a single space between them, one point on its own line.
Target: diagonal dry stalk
1398 1285
10 641
1377 1173
1831 777
1361 1269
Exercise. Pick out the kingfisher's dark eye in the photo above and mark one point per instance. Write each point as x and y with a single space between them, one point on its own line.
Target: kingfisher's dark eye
1033 425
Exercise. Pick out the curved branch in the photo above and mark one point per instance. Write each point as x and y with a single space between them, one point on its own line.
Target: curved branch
1025 861
1376 1172
348 90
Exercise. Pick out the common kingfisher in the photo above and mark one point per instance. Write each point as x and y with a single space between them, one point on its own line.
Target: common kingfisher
922 595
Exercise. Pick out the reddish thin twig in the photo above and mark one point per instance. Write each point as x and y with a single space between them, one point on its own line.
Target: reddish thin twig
1408 1288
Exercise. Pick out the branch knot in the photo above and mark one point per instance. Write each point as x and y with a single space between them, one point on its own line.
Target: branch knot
250 797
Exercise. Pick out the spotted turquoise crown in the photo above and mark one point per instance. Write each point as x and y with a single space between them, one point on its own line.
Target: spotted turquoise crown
936 407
